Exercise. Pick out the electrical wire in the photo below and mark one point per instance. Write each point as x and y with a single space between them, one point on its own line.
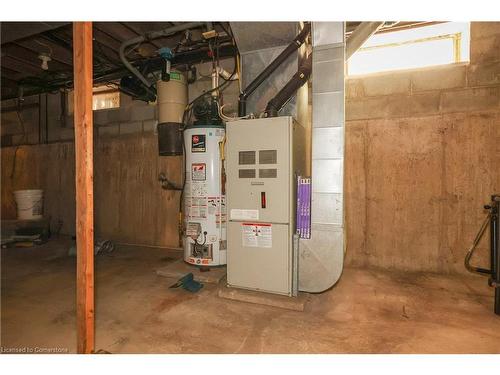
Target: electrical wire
237 56
227 118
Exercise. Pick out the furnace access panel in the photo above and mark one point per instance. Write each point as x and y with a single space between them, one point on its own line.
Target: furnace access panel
263 158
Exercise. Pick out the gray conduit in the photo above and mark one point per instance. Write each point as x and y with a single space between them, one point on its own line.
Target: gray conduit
150 36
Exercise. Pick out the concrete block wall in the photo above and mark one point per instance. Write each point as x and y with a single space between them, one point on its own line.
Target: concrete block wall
45 123
130 205
422 159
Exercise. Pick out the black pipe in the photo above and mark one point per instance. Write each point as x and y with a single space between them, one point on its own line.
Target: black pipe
277 103
292 47
182 58
495 252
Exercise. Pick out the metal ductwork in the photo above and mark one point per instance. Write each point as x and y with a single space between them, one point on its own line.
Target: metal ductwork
359 36
322 257
293 46
259 43
277 103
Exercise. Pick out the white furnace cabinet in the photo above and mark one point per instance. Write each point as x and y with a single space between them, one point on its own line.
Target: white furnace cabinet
263 157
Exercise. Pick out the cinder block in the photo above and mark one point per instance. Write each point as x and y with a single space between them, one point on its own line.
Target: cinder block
130 127
125 100
424 104
141 113
397 106
485 49
473 99
354 88
393 106
366 108
149 126
124 114
484 29
111 130
128 101
101 117
113 115
438 77
486 73
387 83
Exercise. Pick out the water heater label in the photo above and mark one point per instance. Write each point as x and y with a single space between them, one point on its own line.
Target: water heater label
237 214
257 235
196 207
198 171
198 143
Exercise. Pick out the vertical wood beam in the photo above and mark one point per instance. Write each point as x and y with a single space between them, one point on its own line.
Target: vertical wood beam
82 65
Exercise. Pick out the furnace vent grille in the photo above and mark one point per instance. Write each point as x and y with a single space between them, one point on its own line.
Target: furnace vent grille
268 157
246 157
268 173
246 173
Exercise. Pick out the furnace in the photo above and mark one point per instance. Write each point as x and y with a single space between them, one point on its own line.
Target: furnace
264 158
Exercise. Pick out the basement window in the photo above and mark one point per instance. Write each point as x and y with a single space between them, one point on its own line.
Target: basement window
438 44
105 97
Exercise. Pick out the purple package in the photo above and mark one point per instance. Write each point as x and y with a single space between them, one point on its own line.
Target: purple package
304 207
299 207
307 211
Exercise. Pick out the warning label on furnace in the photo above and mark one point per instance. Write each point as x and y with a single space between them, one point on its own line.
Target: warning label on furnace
257 235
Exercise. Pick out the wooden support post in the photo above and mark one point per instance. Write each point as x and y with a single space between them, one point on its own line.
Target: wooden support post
82 63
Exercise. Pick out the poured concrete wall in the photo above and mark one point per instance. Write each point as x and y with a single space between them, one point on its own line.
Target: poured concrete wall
422 158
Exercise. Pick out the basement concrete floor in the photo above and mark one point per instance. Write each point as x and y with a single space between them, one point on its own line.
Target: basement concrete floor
368 311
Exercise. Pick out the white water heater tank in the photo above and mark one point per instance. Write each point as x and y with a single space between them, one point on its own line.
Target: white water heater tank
204 198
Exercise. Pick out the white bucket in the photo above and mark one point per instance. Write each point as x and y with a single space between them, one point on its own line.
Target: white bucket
29 204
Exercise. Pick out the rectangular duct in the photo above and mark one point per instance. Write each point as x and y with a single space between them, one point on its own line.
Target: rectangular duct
322 256
259 43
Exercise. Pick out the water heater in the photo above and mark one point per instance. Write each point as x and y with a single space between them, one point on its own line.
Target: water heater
204 237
